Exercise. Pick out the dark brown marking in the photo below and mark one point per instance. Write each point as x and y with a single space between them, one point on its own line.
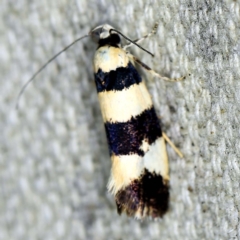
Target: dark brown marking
117 80
148 195
126 138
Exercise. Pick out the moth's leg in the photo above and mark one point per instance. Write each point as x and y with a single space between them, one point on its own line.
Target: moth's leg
136 60
172 145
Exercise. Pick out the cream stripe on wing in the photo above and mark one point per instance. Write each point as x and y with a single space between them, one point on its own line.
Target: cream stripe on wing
109 58
125 168
120 106
156 159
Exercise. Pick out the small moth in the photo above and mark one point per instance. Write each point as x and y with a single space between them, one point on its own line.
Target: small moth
139 177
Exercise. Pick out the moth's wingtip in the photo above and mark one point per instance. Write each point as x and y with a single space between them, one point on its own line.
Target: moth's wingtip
146 197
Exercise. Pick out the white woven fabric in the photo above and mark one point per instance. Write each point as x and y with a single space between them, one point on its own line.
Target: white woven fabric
54 161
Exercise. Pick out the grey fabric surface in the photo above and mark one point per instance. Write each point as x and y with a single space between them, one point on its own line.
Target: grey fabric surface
54 162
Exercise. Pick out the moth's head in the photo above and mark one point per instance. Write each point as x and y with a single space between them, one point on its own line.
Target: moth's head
105 34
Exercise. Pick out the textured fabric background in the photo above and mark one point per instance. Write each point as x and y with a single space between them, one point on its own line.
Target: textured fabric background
54 162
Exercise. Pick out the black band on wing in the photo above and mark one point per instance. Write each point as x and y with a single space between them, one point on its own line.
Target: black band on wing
122 77
126 138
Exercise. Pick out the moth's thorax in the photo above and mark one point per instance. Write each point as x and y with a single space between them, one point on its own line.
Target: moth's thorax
109 58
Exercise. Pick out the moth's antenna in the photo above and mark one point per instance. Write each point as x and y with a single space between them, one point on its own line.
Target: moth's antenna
114 30
45 65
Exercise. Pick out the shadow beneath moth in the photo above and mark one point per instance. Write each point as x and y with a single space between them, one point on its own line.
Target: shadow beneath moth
139 177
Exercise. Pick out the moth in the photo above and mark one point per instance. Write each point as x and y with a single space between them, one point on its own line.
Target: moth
139 178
